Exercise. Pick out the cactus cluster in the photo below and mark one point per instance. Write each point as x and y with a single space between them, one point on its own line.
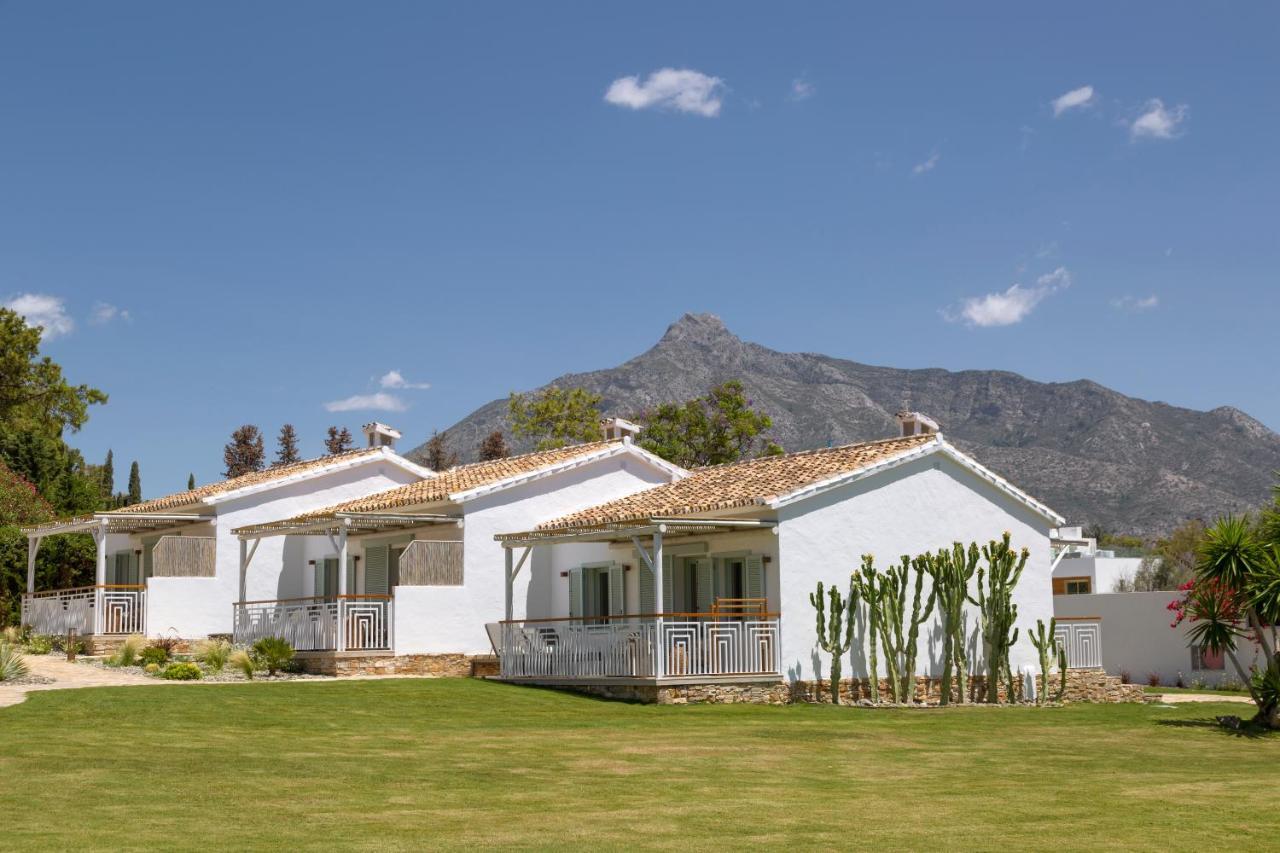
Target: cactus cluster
951 570
899 630
1046 646
998 612
835 635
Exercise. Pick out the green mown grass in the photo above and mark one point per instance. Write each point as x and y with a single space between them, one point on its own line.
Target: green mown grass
462 763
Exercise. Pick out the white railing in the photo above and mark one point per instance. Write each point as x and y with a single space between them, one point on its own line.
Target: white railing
111 609
676 646
1082 639
349 623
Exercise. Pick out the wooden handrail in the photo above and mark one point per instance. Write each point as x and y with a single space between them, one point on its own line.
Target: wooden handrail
673 615
315 598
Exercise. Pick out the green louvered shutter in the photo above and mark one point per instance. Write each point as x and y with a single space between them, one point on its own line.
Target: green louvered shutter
376 569
704 579
351 575
646 585
119 568
617 591
330 585
754 581
668 583
575 592
135 569
318 570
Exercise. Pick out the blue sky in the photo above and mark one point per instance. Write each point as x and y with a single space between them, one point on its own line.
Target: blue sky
243 212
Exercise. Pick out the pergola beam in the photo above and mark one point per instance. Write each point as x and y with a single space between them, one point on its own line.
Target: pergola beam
632 531
353 523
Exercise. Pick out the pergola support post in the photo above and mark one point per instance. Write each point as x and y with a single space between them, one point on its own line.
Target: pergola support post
100 575
33 548
342 584
660 655
512 570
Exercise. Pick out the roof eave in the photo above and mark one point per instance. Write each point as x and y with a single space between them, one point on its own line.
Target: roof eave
382 454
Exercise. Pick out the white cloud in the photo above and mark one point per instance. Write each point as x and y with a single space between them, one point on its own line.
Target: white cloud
41 309
1157 121
105 312
367 402
802 90
927 165
1073 100
395 379
683 90
1010 306
1135 304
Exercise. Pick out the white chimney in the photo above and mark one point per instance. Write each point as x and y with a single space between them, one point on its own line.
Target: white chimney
619 428
914 423
381 435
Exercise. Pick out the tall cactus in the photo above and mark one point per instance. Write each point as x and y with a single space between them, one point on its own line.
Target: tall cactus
1062 672
900 631
1047 645
834 634
999 613
870 587
951 571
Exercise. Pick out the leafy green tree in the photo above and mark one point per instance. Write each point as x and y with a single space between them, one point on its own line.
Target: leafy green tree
135 484
244 453
1173 560
720 427
1234 595
287 446
33 392
555 417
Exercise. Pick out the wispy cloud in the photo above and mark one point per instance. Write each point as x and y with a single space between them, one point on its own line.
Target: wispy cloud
802 89
927 165
105 312
395 379
1005 308
681 89
1135 304
41 309
1074 100
379 402
1158 121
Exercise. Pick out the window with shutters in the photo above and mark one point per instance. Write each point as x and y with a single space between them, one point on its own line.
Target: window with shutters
596 591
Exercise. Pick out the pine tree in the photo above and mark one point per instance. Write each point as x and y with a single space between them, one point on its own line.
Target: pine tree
244 453
338 441
108 476
135 484
191 482
437 454
493 447
287 446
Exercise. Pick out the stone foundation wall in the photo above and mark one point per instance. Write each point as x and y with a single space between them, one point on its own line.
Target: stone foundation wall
443 666
755 693
1083 685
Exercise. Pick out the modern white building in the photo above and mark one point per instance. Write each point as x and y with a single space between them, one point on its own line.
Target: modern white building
1081 567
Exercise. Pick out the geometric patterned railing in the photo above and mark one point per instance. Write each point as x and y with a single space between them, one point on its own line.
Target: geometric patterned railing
119 609
626 647
311 624
1082 639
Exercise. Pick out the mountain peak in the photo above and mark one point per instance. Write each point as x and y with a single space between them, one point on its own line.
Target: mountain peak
698 329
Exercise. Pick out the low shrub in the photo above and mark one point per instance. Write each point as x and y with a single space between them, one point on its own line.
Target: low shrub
15 636
1153 679
154 654
1125 677
1231 683
272 654
182 671
243 661
12 664
213 653
1179 682
39 644
1197 683
151 668
72 645
169 644
130 649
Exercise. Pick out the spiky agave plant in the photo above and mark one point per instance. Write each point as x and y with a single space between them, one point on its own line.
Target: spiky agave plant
12 663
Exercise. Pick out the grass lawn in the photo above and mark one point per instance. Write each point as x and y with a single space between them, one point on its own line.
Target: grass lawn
406 763
1213 691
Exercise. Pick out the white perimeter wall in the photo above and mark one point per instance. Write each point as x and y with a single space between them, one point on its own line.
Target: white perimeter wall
433 620
1137 638
921 506
196 607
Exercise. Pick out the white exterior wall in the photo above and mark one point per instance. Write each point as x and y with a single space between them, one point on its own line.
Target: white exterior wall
196 607
432 620
920 506
1103 572
1137 638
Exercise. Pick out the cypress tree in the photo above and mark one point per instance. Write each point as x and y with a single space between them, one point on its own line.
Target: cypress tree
338 441
108 476
191 482
135 484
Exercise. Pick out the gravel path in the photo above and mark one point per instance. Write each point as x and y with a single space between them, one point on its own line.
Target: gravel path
1175 698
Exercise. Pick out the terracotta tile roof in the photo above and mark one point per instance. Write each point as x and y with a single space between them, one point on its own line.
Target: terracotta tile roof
198 494
460 479
740 484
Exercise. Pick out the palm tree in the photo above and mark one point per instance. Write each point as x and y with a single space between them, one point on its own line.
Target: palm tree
1236 594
